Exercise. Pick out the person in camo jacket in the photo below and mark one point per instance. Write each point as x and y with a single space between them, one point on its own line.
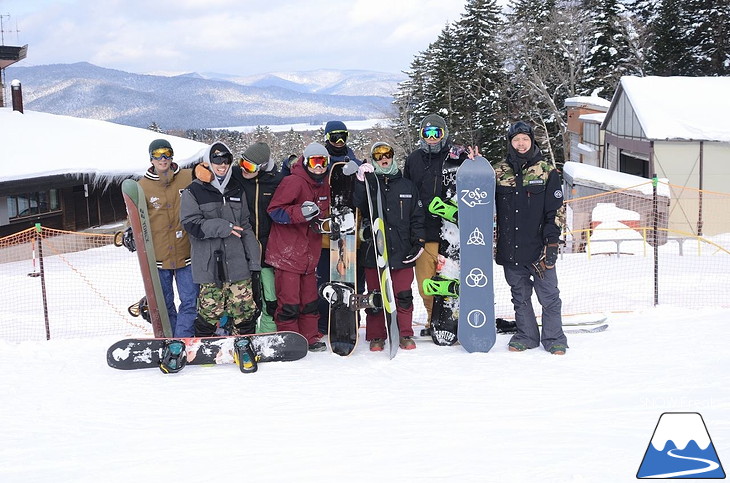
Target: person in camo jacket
225 251
530 214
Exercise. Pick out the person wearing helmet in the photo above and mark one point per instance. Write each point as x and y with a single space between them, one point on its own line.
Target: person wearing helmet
294 247
424 168
225 251
404 218
529 203
162 184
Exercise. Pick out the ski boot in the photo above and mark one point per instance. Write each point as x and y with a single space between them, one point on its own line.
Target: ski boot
438 285
244 356
173 357
448 210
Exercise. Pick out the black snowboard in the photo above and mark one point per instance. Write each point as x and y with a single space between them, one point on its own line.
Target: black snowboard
145 353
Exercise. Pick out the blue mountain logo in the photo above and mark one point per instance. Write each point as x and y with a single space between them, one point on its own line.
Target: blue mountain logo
681 448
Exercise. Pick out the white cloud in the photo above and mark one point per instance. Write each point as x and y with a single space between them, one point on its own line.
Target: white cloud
237 37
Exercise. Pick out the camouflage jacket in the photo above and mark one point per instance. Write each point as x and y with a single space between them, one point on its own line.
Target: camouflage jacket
530 210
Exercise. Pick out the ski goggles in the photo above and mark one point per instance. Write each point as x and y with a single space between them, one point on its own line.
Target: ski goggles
337 137
161 153
222 158
432 132
383 152
317 161
248 166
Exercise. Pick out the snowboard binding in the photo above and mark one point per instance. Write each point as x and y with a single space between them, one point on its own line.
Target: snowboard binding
341 295
244 356
174 357
140 308
448 210
438 285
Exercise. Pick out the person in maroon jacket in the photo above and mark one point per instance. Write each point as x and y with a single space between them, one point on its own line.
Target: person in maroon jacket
294 247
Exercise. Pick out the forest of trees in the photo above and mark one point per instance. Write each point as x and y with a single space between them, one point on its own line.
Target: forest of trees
492 67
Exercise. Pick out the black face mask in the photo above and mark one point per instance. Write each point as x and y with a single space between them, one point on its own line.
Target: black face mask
336 151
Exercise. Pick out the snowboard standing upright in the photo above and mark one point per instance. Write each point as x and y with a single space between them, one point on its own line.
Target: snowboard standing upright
445 311
475 185
377 220
343 319
136 204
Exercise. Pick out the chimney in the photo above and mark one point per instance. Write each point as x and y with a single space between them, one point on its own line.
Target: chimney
17 95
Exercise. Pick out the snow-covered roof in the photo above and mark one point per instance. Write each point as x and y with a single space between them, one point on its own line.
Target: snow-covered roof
36 144
681 108
591 102
596 117
609 180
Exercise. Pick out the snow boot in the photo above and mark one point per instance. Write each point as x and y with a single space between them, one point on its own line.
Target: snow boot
406 343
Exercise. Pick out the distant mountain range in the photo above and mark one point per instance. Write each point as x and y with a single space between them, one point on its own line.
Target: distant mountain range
206 100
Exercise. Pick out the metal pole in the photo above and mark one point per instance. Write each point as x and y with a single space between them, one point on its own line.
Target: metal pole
655 210
43 279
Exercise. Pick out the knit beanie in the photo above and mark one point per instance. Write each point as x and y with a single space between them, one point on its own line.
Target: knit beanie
334 126
258 153
438 121
435 120
315 149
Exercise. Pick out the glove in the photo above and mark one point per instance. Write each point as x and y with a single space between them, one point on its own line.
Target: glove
256 288
202 173
546 261
413 255
310 210
551 255
128 240
364 168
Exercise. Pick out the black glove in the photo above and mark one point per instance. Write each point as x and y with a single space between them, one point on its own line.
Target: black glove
547 260
416 251
551 255
128 240
256 288
310 210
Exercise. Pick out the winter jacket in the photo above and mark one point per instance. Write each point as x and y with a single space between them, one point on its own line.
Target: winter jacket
209 216
530 209
293 245
425 170
259 192
172 247
404 217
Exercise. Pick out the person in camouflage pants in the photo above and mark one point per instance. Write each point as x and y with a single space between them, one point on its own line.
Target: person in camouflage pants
232 299
225 252
530 216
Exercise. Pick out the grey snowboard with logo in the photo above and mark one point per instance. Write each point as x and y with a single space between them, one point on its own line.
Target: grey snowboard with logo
475 183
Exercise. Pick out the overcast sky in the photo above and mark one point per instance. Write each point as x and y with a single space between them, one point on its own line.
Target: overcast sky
241 37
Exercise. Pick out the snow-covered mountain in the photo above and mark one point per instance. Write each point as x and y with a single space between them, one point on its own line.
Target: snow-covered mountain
196 100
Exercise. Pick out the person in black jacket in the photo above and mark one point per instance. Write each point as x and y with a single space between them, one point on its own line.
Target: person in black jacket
424 168
530 211
260 179
403 212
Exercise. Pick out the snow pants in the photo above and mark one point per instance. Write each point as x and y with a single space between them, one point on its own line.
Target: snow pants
375 319
268 304
426 268
521 280
297 303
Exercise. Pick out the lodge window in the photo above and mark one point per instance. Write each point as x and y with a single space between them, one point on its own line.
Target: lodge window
30 204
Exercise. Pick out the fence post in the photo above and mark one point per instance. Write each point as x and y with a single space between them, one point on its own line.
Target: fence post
39 239
655 214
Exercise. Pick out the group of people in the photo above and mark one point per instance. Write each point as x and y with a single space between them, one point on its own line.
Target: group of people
238 238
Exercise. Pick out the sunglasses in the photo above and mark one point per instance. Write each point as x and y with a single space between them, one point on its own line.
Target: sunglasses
222 158
336 137
161 153
317 161
248 166
383 152
432 132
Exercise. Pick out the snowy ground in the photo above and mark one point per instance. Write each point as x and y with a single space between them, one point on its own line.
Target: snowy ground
433 414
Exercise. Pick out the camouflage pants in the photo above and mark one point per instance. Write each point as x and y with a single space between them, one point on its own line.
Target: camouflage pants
234 299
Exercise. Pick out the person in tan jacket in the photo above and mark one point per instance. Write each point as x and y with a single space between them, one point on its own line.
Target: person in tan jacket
163 184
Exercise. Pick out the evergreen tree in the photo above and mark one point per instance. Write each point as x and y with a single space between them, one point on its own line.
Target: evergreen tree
708 38
610 57
669 53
